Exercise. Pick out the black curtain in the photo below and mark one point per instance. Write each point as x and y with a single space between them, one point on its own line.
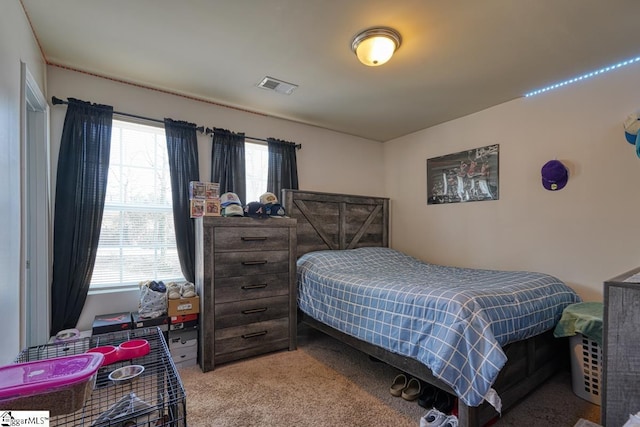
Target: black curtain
182 146
283 167
81 184
227 162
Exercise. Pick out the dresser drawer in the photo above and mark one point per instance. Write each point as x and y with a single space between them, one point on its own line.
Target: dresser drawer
239 338
231 264
251 287
251 239
250 311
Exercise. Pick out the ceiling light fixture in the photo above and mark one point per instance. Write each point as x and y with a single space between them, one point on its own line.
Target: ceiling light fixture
375 46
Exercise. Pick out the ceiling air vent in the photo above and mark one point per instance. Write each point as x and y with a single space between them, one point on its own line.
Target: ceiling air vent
277 85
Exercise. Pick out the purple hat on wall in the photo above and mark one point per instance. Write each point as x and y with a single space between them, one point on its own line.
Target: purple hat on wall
554 175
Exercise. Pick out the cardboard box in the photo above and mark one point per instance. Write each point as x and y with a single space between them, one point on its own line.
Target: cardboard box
183 345
203 190
197 208
212 190
143 322
184 326
183 318
183 340
114 322
197 190
181 306
212 207
186 353
185 363
184 322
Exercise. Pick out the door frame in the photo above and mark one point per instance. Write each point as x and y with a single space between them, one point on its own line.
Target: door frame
35 220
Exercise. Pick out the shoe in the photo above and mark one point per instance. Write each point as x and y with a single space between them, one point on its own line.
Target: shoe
433 418
444 402
160 287
428 396
412 390
399 384
450 421
188 290
173 290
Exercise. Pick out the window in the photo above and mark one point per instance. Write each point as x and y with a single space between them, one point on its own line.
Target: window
137 240
256 163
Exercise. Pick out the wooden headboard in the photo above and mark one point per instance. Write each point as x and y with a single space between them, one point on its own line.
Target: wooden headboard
329 221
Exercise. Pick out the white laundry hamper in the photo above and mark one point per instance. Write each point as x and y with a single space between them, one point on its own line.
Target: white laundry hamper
586 368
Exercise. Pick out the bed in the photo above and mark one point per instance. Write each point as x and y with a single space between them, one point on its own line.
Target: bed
484 336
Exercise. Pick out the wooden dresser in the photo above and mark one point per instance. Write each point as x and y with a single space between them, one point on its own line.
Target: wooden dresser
621 349
246 278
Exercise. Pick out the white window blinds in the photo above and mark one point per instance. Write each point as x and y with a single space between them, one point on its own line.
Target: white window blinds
137 240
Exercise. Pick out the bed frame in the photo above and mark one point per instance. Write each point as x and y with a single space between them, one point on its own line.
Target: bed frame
328 221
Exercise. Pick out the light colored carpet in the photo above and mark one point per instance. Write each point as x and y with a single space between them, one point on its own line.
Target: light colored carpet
326 383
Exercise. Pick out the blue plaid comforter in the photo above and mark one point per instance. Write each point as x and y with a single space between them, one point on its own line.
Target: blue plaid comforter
454 320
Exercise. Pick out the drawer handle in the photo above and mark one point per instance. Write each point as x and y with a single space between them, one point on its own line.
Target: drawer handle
252 238
254 262
255 334
254 310
258 286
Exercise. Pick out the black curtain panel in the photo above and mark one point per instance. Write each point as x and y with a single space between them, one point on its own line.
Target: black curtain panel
182 146
81 184
227 162
283 168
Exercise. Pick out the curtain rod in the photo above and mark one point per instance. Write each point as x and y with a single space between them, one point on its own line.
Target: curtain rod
201 129
56 101
209 131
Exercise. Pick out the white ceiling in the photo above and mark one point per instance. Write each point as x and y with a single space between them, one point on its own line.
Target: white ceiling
457 56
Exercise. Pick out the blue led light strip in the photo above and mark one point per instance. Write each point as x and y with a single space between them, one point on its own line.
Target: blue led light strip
582 77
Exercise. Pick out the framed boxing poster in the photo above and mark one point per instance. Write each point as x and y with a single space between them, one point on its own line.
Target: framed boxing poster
467 176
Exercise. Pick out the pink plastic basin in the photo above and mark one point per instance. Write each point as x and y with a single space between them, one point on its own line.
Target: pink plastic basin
60 385
133 348
109 352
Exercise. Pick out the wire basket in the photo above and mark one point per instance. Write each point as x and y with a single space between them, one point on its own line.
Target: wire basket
154 398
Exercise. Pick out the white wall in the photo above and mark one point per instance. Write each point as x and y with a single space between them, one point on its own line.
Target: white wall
584 234
329 161
17 45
